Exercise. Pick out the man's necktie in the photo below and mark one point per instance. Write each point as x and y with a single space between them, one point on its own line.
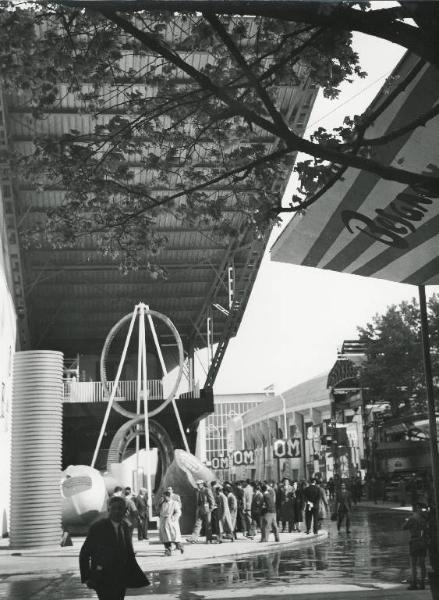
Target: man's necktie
121 540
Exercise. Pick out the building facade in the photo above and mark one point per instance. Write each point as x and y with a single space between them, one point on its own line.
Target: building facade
212 432
283 435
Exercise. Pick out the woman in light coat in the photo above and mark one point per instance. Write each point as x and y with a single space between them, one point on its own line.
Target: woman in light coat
169 531
233 507
224 517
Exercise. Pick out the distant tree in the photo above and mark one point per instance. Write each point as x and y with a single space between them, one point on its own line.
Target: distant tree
194 128
393 372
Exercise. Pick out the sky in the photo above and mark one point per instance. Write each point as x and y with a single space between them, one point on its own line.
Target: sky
297 317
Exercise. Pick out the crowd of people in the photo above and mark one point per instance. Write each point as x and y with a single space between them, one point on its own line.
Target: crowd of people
250 507
222 510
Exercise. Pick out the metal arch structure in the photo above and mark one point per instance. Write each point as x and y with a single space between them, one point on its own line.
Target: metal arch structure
114 330
135 428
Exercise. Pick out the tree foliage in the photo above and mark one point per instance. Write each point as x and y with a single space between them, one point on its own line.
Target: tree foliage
393 373
170 133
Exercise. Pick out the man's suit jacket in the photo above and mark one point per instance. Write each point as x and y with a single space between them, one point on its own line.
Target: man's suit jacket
312 494
205 498
102 560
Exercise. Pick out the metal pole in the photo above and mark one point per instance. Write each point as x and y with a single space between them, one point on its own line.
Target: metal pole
430 404
302 418
165 372
114 390
138 406
145 404
285 417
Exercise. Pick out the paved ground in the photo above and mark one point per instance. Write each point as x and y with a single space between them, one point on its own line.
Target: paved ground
150 554
371 563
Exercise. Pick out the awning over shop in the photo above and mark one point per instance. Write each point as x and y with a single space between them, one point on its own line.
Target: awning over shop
373 227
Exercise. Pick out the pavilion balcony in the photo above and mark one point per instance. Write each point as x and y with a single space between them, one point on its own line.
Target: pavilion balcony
93 391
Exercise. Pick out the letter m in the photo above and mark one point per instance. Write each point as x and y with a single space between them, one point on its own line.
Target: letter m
249 457
294 448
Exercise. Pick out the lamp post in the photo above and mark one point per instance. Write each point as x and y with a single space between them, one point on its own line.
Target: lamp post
284 408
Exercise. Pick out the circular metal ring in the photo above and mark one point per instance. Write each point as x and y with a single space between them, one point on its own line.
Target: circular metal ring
107 344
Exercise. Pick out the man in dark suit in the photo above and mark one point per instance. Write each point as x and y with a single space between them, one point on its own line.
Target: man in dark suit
312 500
106 560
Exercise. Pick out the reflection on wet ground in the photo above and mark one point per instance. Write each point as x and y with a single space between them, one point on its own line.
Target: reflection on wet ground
375 551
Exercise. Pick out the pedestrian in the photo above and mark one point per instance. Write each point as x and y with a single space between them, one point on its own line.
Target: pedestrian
214 525
247 509
131 515
299 504
223 513
233 507
106 560
239 493
358 486
204 503
343 507
285 505
169 531
142 505
417 525
269 519
323 505
312 495
331 488
256 508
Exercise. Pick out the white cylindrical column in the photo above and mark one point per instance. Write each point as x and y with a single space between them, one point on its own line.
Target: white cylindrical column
36 449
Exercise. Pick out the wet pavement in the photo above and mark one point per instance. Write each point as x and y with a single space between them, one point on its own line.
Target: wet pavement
370 561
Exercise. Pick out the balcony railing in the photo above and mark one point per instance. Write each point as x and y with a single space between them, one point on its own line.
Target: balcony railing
92 391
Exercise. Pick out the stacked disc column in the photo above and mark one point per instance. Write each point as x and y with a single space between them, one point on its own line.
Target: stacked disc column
36 449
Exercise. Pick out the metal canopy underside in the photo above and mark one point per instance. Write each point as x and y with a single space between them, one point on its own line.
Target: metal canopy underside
74 296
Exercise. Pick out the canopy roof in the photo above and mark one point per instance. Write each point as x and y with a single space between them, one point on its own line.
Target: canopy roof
74 295
373 227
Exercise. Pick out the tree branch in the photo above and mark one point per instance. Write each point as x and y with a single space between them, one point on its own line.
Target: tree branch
420 121
225 37
292 141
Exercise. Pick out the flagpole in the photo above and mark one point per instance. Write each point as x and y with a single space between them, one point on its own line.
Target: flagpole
430 405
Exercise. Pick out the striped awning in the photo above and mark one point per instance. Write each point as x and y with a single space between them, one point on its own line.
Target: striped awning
373 227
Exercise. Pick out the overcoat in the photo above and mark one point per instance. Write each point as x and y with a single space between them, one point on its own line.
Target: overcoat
224 517
169 530
102 560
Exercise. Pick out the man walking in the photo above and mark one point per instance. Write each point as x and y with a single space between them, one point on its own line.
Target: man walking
343 507
142 505
312 500
107 562
203 512
417 525
269 519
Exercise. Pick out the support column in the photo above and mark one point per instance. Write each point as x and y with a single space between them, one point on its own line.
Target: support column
36 449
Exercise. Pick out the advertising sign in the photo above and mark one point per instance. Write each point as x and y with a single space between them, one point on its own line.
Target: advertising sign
237 457
243 457
290 448
220 462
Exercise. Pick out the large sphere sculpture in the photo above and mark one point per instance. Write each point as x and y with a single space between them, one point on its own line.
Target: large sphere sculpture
84 497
